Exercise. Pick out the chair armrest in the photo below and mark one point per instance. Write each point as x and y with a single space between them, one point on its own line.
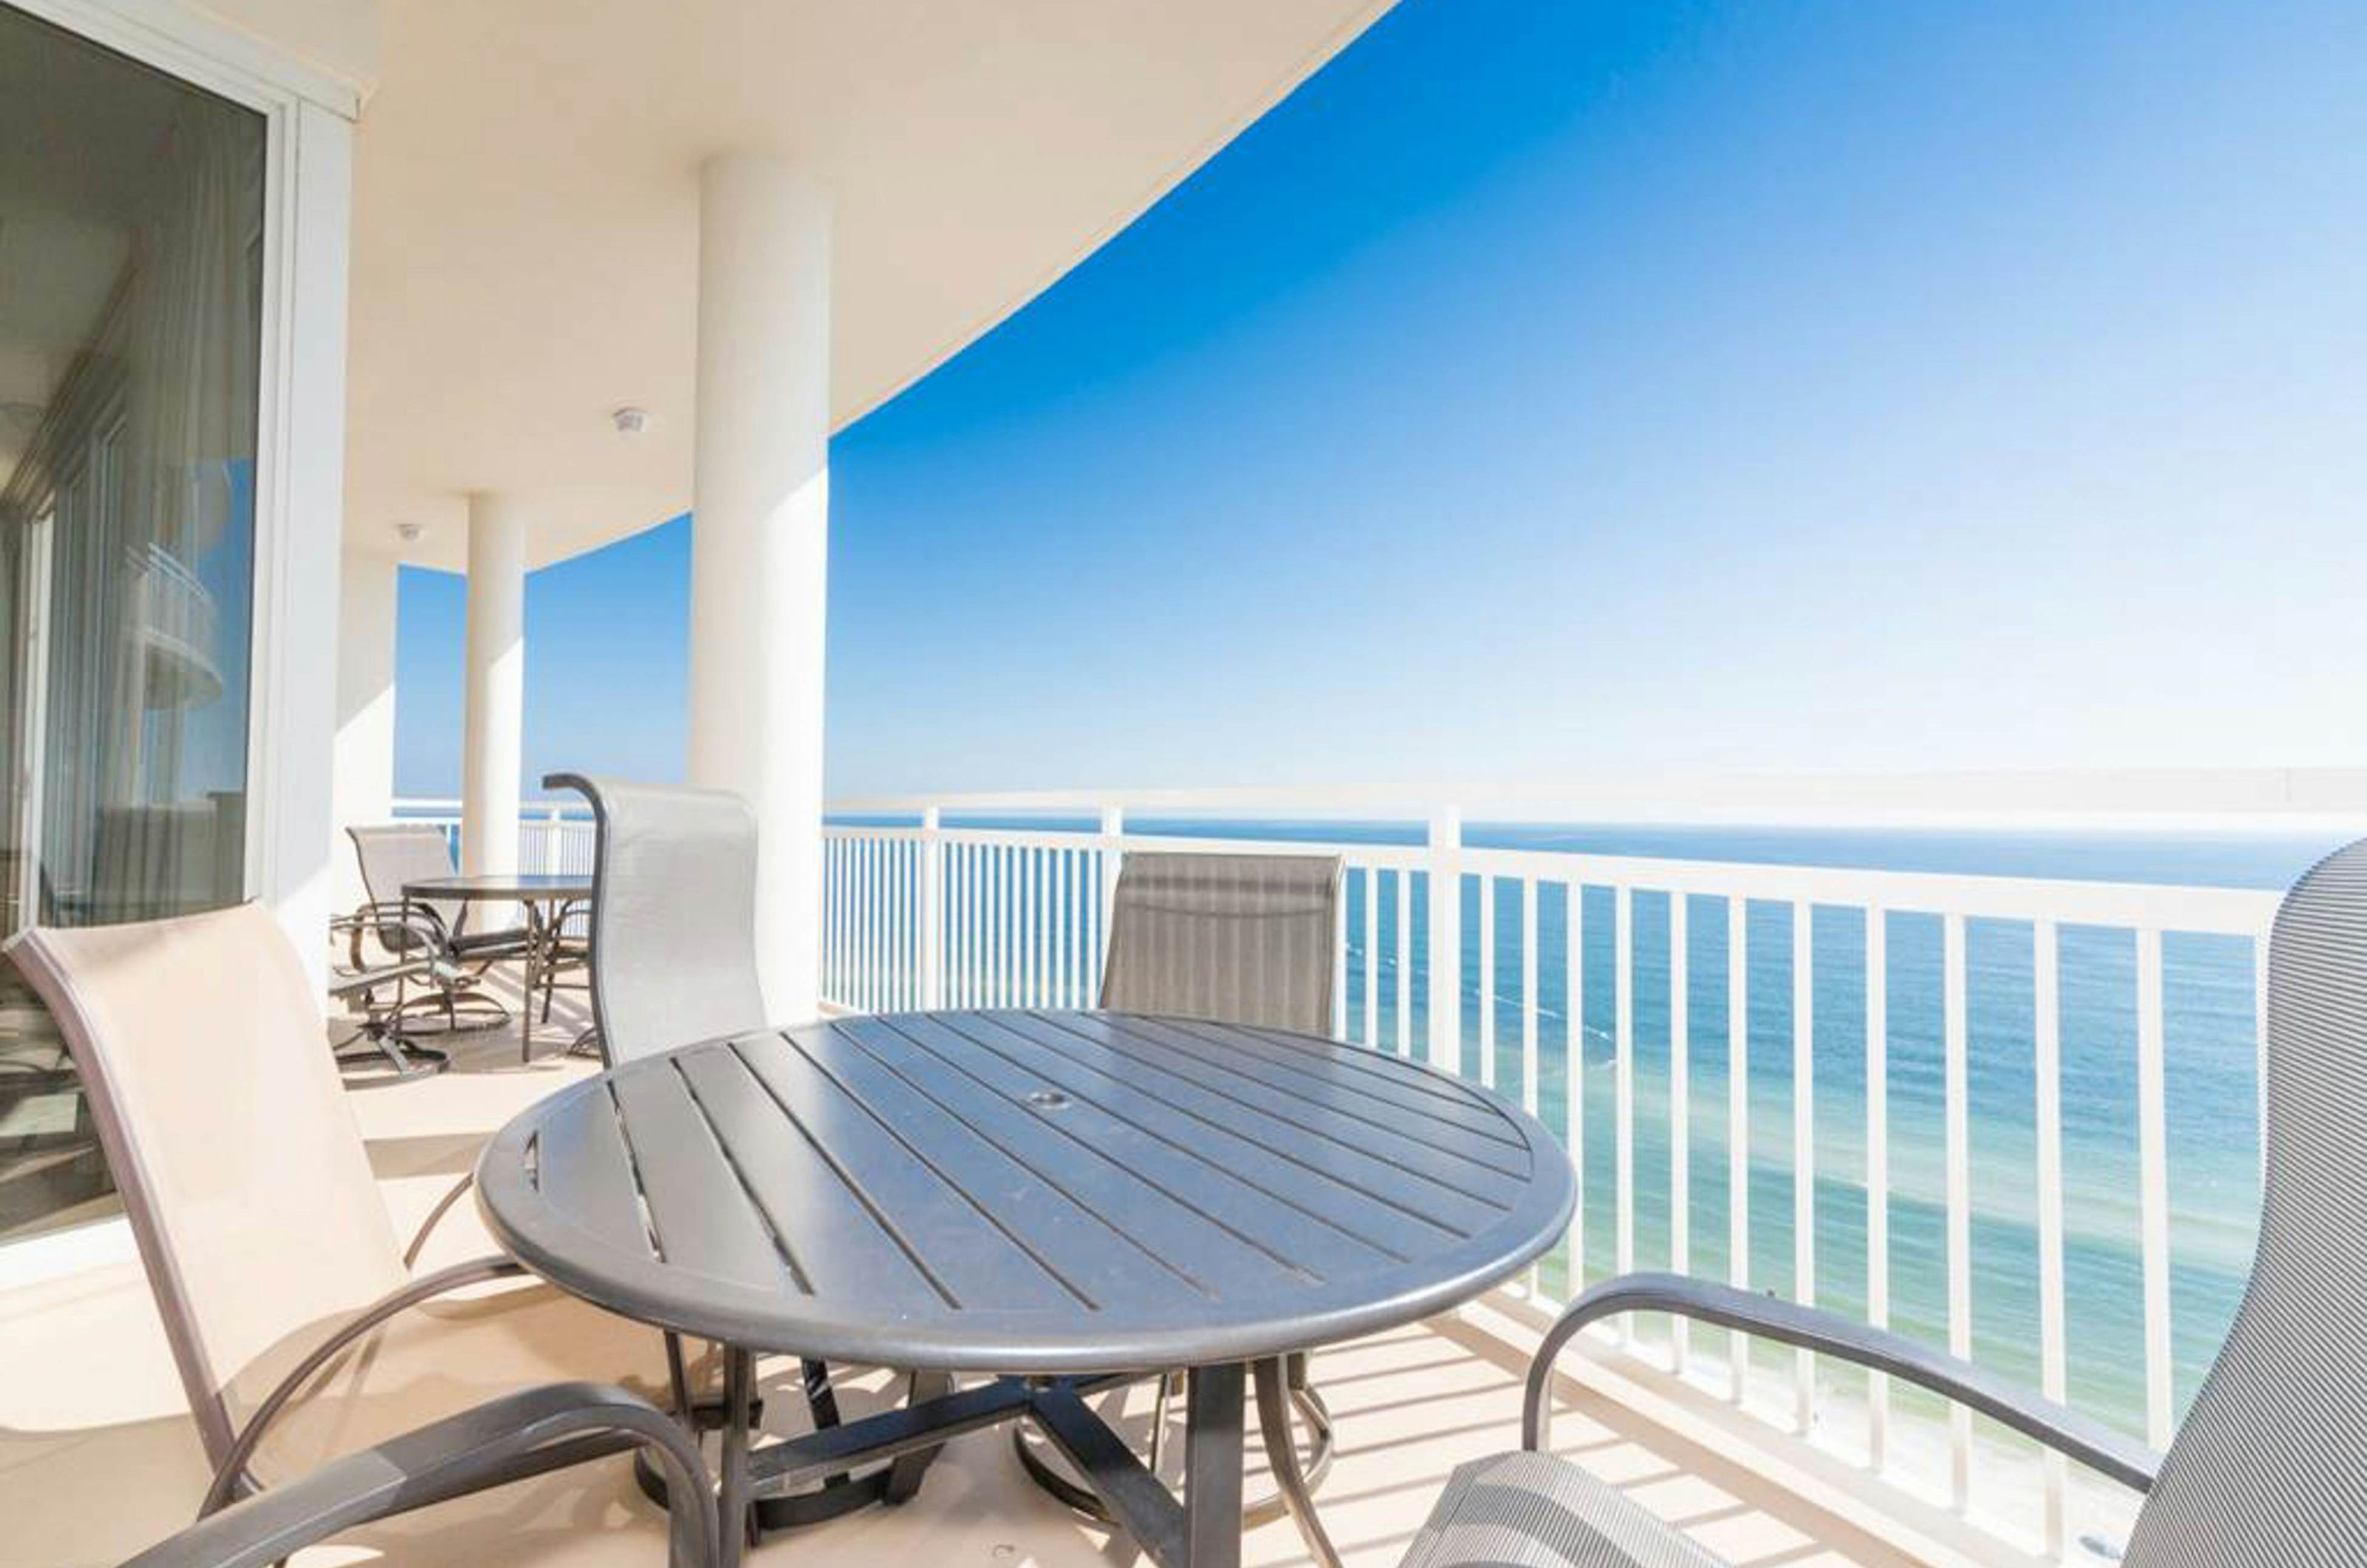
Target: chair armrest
229 1475
2082 1438
505 1439
418 921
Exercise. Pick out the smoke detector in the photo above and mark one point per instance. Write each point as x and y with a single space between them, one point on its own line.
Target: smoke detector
630 421
408 532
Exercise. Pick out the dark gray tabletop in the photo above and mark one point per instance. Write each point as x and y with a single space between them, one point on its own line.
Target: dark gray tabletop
1025 1192
505 886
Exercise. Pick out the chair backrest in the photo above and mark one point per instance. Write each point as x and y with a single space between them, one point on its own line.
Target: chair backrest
395 853
201 1053
1238 939
673 915
2270 1465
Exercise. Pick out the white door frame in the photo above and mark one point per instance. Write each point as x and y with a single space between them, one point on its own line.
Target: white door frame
300 452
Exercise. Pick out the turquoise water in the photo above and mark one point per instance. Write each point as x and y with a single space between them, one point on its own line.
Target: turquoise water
2210 1087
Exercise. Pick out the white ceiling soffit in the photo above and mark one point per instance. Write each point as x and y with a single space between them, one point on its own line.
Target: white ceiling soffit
525 226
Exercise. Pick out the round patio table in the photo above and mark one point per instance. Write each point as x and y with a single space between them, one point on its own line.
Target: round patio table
1067 1199
543 896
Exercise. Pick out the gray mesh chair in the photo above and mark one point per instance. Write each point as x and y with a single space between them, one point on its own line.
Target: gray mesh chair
377 988
318 1365
1238 939
392 856
1250 939
673 956
2270 1468
673 943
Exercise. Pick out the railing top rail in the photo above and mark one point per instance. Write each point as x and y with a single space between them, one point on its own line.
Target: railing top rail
2237 911
2281 798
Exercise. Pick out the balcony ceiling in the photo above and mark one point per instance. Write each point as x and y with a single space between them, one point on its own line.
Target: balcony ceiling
526 231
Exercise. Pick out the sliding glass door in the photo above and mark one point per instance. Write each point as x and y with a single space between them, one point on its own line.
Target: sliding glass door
131 213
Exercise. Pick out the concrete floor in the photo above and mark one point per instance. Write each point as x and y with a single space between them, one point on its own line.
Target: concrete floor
97 1457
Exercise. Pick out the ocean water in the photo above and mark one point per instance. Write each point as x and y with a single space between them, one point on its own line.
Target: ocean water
2210 1079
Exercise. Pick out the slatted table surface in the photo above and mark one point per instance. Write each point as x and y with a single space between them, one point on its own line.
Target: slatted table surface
1025 1192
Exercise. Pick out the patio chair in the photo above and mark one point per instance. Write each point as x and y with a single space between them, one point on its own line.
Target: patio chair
2270 1465
673 915
392 856
377 984
318 1368
1240 939
673 962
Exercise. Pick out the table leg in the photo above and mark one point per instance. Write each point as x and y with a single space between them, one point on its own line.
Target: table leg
526 1007
1281 1456
734 1518
1212 1467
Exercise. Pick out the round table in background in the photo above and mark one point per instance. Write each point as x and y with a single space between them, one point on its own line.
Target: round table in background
542 895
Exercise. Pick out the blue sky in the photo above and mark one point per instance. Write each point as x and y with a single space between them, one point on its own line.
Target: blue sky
1551 387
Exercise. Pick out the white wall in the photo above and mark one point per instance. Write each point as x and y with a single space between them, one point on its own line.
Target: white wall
363 766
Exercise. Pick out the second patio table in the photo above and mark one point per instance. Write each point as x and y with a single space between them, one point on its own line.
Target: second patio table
1063 1198
543 894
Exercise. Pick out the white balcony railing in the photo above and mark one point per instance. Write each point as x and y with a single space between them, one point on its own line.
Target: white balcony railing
1942 1102
1719 1005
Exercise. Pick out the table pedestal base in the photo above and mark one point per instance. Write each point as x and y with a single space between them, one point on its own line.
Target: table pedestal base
1314 1455
1200 1530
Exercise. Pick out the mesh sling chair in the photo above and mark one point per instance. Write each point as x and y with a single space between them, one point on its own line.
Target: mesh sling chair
326 1379
2270 1468
392 856
375 986
1246 939
673 954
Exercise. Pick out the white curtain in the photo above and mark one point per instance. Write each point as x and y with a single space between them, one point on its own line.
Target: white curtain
144 777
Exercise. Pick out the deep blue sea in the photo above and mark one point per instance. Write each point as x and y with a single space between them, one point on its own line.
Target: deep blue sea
2210 1072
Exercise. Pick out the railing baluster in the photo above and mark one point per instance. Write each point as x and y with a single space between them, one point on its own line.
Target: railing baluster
1574 1077
1737 1128
900 970
829 920
1488 980
1372 885
2045 962
2153 1185
892 932
1444 1046
1803 1149
1048 927
1078 878
1064 979
1339 961
1031 926
1958 1109
1529 995
1404 881
1878 1171
1622 991
830 990
1680 1123
953 895
867 987
1529 1014
991 983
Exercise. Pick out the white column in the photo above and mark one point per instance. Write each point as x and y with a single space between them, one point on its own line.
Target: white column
759 539
299 488
364 762
491 741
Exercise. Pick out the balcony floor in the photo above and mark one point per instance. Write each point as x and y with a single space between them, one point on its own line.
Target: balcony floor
96 1457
